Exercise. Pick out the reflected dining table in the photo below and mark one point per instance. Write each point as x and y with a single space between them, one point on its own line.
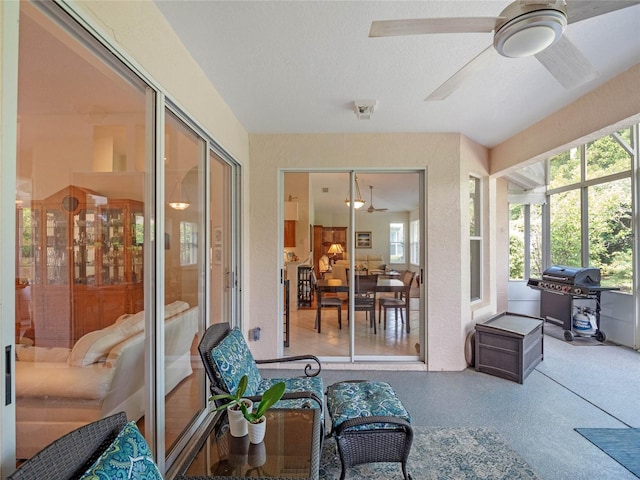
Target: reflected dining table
335 286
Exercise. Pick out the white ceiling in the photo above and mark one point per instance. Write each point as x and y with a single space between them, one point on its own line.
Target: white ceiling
297 66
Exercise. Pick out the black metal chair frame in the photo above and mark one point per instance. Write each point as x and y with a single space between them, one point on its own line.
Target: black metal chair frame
73 454
214 334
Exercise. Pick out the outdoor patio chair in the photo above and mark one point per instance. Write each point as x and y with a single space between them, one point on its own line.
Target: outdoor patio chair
74 453
226 357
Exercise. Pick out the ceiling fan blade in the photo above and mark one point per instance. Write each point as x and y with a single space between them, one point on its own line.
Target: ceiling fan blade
457 79
578 10
421 26
567 64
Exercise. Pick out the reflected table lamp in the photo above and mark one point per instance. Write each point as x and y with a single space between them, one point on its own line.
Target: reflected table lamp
335 249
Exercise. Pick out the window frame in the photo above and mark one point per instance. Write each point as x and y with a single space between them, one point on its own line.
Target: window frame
476 243
583 186
414 242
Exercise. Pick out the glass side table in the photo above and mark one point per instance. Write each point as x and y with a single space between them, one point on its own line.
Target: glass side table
290 450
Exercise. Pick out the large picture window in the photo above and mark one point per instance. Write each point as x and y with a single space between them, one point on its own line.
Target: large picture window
590 208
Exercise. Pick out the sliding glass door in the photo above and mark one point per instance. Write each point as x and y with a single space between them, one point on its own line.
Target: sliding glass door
358 227
113 289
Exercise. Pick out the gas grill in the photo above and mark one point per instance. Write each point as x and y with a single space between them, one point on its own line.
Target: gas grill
568 280
559 286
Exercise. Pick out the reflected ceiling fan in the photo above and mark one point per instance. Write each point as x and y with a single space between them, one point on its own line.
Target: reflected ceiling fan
371 208
524 28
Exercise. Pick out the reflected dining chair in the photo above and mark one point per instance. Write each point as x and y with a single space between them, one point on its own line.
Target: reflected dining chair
398 302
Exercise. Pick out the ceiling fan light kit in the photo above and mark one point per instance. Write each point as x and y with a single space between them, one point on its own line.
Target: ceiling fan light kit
524 28
530 32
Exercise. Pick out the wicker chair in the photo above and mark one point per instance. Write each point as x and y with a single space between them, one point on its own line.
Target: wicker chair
72 454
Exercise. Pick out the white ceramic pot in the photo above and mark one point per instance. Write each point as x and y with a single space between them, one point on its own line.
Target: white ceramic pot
257 430
237 422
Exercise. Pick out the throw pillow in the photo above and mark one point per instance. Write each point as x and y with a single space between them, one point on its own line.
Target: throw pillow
233 359
127 457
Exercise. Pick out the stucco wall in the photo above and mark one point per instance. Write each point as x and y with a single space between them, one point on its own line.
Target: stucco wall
447 243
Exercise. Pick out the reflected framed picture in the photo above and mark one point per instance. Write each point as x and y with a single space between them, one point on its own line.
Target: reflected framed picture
363 239
217 235
217 255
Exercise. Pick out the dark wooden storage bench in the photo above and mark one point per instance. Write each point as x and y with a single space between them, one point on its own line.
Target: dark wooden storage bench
509 345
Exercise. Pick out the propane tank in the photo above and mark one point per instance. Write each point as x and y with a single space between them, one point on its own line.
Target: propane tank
584 322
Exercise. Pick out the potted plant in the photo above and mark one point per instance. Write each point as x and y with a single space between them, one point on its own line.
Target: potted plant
257 420
237 422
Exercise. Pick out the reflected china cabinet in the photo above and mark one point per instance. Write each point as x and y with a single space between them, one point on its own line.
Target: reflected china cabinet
82 253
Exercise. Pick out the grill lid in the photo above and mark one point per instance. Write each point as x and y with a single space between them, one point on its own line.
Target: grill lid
573 275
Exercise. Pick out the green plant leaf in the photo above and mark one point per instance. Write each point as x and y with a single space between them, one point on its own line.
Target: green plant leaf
269 398
234 398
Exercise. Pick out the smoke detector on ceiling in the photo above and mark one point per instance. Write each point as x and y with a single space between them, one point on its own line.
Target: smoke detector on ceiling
364 108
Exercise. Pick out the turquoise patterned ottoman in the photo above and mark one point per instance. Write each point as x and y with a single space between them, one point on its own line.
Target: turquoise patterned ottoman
370 424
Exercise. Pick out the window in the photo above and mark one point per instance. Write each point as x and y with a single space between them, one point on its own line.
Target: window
396 243
475 236
525 241
414 242
188 243
590 208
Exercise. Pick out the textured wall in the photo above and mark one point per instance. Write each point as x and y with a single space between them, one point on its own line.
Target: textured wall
448 312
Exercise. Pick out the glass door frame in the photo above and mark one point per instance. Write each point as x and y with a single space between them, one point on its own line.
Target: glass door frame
154 198
352 356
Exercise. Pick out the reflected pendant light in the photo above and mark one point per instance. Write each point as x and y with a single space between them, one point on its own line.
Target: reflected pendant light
178 201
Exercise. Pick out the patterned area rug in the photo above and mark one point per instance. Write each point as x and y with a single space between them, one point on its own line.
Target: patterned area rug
440 453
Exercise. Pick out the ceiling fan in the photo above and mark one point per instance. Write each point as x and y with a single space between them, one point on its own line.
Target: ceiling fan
524 28
371 208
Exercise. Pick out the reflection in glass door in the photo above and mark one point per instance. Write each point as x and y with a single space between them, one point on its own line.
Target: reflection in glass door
222 275
81 160
184 275
373 257
387 296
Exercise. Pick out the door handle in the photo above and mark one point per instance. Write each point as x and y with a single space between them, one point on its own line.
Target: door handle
7 375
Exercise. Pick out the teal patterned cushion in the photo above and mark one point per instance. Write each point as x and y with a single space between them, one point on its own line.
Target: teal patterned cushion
347 400
232 359
128 457
297 384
